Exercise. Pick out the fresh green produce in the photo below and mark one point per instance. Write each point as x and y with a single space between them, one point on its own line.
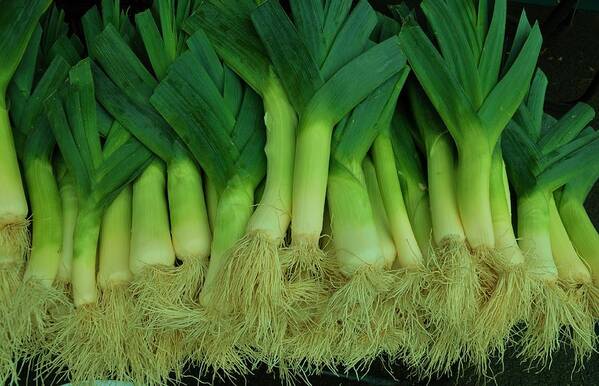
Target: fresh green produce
580 229
447 257
327 67
475 94
77 337
155 241
541 155
220 121
366 273
380 218
41 71
215 187
252 278
405 199
17 25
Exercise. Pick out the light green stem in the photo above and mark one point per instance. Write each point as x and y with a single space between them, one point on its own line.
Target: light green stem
409 253
47 221
211 201
570 267
151 243
273 213
381 219
505 239
533 232
115 241
234 210
582 232
355 235
311 168
13 204
70 209
473 193
85 249
190 227
442 190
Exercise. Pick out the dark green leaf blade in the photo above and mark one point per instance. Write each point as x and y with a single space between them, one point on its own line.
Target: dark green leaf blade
367 119
351 40
356 80
309 20
140 119
567 127
18 21
291 59
230 29
440 85
506 96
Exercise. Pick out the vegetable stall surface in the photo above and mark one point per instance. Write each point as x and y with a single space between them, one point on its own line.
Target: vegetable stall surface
304 187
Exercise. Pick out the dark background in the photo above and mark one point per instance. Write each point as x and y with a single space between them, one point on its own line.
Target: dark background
570 58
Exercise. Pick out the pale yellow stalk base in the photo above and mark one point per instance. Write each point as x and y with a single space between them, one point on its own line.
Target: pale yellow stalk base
160 283
206 338
9 373
358 316
35 304
304 260
252 285
8 362
219 350
309 273
593 300
553 311
445 353
11 273
306 352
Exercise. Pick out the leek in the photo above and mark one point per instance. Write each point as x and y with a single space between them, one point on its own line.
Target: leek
475 98
452 289
539 162
155 243
255 261
17 24
406 204
38 295
365 273
69 203
580 229
413 182
327 66
189 225
381 219
75 339
219 120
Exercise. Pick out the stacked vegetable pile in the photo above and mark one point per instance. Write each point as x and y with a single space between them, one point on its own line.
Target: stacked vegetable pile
228 185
